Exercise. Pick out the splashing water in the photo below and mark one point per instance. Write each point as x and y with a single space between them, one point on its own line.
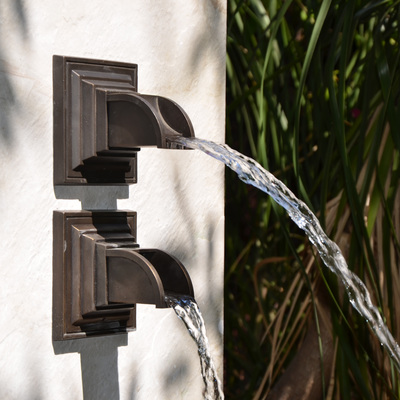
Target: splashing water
187 310
250 172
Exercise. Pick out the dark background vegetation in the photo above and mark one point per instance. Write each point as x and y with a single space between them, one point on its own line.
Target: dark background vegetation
313 96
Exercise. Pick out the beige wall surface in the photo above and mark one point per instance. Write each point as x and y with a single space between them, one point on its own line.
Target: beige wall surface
179 47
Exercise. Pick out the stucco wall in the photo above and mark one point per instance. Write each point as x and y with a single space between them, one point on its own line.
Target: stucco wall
180 49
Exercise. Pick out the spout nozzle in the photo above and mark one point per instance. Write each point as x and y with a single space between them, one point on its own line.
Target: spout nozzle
137 120
145 276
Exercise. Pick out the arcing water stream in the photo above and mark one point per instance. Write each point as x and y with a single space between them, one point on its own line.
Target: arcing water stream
188 311
252 173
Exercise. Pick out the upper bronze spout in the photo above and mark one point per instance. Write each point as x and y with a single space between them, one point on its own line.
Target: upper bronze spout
101 122
138 120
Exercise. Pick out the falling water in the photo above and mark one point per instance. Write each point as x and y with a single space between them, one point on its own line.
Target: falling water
250 172
187 310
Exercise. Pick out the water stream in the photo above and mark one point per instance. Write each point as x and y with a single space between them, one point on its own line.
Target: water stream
254 174
187 310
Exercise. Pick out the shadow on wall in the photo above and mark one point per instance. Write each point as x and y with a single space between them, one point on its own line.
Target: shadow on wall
8 99
177 376
212 18
99 364
188 247
93 197
99 356
204 55
33 383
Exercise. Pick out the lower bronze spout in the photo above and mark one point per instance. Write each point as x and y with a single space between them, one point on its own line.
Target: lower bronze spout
100 274
144 276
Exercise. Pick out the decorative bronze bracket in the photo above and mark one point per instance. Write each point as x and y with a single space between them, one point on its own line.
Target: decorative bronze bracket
101 122
100 274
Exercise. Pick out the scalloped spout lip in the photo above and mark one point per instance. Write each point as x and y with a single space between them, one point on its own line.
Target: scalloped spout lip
145 276
141 120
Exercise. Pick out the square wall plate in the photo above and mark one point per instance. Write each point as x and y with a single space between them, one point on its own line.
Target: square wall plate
75 314
79 89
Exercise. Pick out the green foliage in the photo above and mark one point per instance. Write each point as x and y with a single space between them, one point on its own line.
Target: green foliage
313 95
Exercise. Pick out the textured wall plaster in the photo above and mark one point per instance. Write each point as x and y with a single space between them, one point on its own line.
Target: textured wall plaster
180 49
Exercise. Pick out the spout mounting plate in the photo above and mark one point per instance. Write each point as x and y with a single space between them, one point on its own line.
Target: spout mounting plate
81 151
77 307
